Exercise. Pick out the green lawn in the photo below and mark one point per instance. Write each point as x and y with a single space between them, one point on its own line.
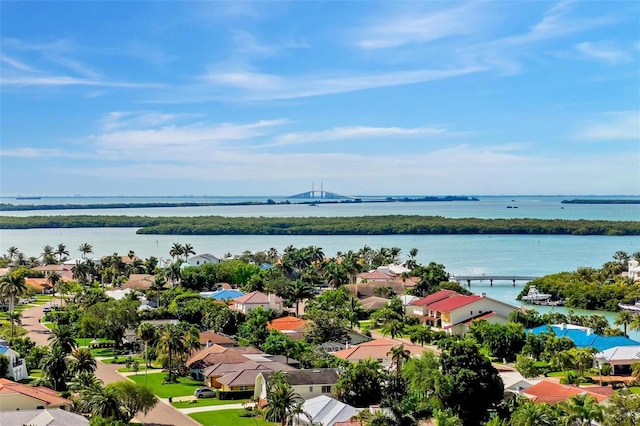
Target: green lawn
35 373
227 417
154 380
206 402
86 341
122 359
635 389
102 352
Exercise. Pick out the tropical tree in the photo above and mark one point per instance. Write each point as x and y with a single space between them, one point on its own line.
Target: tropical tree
446 418
12 253
53 278
420 334
282 402
101 401
335 274
55 368
393 328
187 249
172 341
530 413
15 318
582 410
635 323
623 318
176 250
635 370
360 384
61 250
12 285
398 357
173 273
85 249
84 381
48 255
147 333
622 409
82 361
133 397
299 291
63 337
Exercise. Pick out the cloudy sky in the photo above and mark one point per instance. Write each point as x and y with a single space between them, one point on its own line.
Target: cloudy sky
242 98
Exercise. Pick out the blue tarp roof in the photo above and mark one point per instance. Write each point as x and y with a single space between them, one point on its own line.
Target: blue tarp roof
224 294
583 340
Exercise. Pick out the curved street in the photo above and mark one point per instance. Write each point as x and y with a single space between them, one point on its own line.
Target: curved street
162 414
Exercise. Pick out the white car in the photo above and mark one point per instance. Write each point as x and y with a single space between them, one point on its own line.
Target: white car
46 309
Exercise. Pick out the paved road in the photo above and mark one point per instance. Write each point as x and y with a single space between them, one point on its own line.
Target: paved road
162 414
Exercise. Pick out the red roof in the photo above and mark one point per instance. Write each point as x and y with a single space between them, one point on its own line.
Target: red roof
376 275
287 323
41 393
435 297
553 392
453 303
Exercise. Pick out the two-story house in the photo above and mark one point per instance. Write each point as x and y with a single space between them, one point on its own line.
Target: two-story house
17 366
254 299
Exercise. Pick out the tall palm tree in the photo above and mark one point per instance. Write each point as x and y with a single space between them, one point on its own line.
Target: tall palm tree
173 273
83 361
623 318
55 367
634 324
398 357
48 255
53 278
15 318
635 370
582 410
172 341
12 285
12 253
158 285
85 249
147 333
176 250
335 274
187 249
84 382
61 250
101 401
63 337
393 328
533 414
282 402
299 291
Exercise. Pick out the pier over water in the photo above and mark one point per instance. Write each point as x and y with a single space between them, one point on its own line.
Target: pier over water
492 278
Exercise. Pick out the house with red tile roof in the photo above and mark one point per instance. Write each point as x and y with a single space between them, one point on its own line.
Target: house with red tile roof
17 396
254 299
377 349
375 275
454 313
552 392
208 338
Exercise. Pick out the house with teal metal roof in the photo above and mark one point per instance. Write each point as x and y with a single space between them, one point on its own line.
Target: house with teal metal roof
584 337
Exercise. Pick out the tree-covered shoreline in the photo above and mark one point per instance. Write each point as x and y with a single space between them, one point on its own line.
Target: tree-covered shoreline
365 225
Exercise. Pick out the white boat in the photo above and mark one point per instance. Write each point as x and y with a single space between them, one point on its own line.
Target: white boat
535 296
633 308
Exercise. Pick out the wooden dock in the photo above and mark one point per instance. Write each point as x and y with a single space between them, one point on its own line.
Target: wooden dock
492 278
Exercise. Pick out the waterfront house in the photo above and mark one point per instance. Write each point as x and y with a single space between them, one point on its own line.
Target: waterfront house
419 308
325 411
306 383
16 396
378 349
633 270
254 299
42 417
17 366
584 337
621 358
202 259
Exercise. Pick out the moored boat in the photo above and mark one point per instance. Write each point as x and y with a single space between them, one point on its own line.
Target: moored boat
633 308
535 296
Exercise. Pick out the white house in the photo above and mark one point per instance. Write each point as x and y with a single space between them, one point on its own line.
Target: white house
325 411
17 366
621 358
634 269
254 299
307 383
201 259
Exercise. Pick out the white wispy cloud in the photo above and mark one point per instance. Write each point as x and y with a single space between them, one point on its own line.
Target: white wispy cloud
619 125
417 28
29 152
604 51
17 64
60 80
141 119
257 86
355 132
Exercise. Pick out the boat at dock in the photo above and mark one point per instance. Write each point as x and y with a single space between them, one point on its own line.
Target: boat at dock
534 296
631 308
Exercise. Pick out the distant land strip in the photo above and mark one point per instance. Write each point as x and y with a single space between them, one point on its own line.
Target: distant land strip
363 225
603 201
7 207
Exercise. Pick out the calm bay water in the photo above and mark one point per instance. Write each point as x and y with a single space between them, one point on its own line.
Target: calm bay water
534 255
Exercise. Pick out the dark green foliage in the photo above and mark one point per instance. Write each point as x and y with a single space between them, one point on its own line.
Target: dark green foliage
4 367
502 341
234 395
360 384
217 225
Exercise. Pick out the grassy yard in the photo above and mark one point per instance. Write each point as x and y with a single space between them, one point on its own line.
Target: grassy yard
86 341
122 359
227 417
154 380
206 402
635 389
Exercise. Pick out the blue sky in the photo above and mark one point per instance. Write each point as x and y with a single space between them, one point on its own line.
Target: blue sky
243 98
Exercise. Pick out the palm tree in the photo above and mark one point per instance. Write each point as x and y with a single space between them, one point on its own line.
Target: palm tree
299 291
63 337
85 249
393 328
79 271
605 369
623 318
176 250
335 274
48 255
62 251
55 368
12 253
533 414
158 285
420 334
15 318
282 402
12 285
101 401
173 273
84 382
635 323
147 333
83 361
398 356
582 409
172 341
53 278
635 370
187 249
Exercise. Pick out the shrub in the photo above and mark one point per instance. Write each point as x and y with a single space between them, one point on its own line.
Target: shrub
233 395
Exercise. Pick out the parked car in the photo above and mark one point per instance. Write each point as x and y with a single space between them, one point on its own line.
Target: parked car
204 393
33 299
23 302
46 309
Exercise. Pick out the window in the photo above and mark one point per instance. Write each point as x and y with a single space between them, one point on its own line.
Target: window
310 388
244 388
326 389
471 312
